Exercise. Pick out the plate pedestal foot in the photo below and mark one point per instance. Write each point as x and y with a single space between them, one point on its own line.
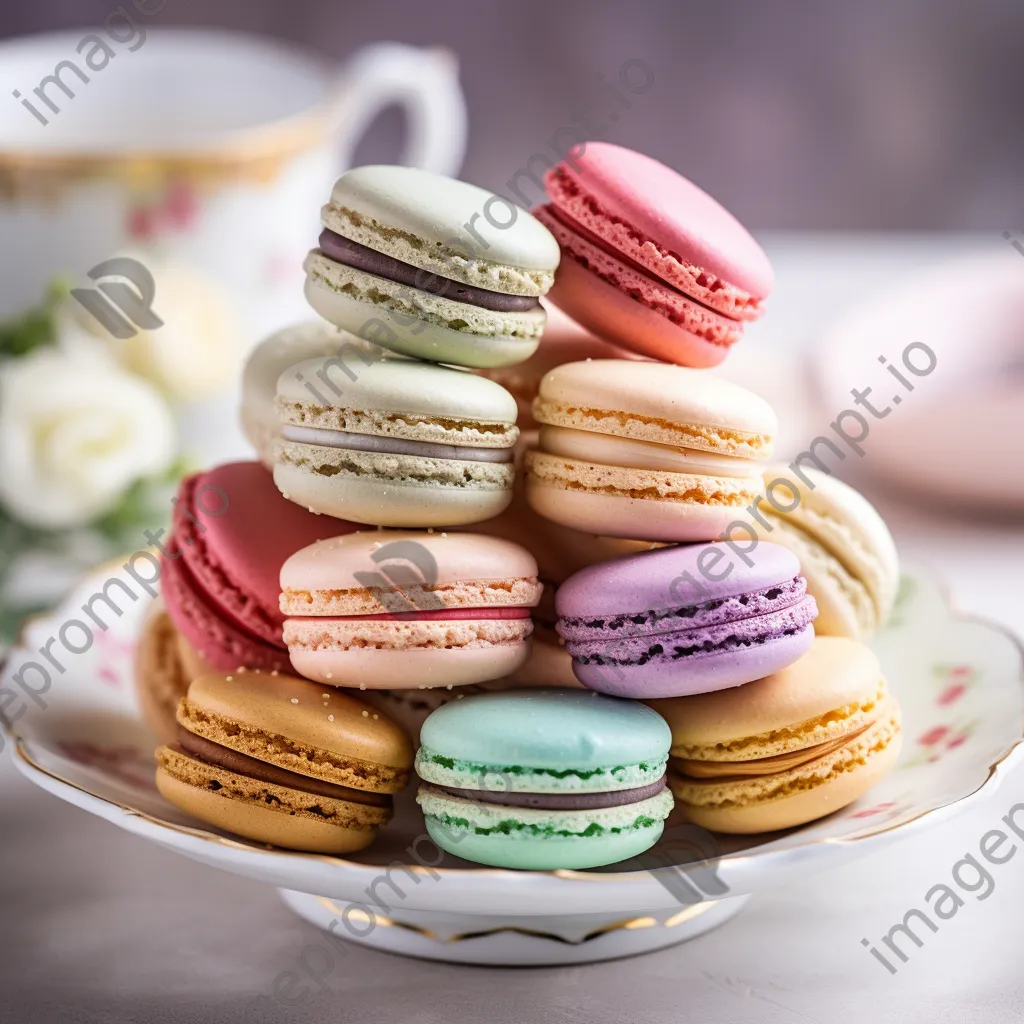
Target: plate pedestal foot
511 941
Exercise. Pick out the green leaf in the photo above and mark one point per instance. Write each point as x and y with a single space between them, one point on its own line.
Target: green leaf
34 328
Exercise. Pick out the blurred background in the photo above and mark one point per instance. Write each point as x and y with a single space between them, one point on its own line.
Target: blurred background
876 149
887 114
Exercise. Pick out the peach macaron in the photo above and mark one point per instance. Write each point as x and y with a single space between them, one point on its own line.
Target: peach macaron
405 609
646 450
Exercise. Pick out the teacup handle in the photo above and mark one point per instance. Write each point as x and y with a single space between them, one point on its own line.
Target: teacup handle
425 83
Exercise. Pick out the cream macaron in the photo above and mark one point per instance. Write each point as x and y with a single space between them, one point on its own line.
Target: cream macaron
786 749
398 609
845 549
646 450
269 359
394 442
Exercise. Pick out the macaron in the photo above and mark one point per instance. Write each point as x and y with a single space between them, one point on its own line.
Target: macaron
396 442
644 450
432 267
845 549
400 609
277 760
231 533
269 359
684 620
787 749
649 260
544 779
165 665
564 341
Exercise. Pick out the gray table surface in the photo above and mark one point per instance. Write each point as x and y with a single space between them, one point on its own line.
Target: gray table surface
100 926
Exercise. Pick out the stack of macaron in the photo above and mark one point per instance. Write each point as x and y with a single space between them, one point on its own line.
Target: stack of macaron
514 552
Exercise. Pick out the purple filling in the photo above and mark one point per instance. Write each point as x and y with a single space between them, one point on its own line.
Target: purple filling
343 250
555 801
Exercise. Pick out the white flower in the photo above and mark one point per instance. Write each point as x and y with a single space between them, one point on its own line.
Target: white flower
197 351
74 434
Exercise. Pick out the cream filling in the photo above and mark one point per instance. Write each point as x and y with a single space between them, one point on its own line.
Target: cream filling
625 452
392 445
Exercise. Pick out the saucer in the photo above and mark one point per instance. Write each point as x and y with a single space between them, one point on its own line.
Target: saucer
959 681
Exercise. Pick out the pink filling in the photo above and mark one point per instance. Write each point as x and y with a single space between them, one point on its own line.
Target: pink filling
440 614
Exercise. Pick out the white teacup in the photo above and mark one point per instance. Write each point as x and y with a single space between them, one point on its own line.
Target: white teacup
207 149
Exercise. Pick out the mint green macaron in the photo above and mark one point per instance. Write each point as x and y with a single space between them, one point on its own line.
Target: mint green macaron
431 267
544 779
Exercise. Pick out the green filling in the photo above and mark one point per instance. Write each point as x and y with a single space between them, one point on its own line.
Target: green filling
515 769
509 827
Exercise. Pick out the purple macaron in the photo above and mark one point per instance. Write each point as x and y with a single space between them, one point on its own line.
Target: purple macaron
685 619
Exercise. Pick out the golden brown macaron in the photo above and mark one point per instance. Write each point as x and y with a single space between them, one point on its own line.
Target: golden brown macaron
165 664
786 749
284 761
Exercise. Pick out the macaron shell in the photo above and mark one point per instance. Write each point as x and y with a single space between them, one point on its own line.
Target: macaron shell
628 308
845 607
810 793
396 210
673 405
261 823
665 222
408 669
531 852
835 689
837 524
267 362
563 730
165 664
251 713
234 558
215 638
598 499
417 323
391 490
462 569
718 670
394 386
659 579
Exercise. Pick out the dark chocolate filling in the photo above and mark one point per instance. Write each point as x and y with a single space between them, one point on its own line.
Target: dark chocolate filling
242 764
343 250
555 801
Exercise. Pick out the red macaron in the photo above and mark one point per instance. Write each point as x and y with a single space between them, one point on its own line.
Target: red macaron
231 532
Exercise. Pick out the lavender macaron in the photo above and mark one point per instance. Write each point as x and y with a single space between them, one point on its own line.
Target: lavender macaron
684 620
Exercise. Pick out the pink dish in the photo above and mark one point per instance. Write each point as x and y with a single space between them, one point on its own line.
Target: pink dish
649 260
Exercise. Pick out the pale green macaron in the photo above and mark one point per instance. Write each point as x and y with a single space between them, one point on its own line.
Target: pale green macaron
392 441
544 779
431 267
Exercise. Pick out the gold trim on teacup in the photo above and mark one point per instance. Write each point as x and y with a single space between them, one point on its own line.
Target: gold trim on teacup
254 155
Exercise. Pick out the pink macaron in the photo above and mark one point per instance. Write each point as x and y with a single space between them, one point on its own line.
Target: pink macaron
407 609
231 533
649 260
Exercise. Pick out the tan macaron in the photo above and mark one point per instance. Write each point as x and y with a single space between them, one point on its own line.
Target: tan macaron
165 664
284 761
787 749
